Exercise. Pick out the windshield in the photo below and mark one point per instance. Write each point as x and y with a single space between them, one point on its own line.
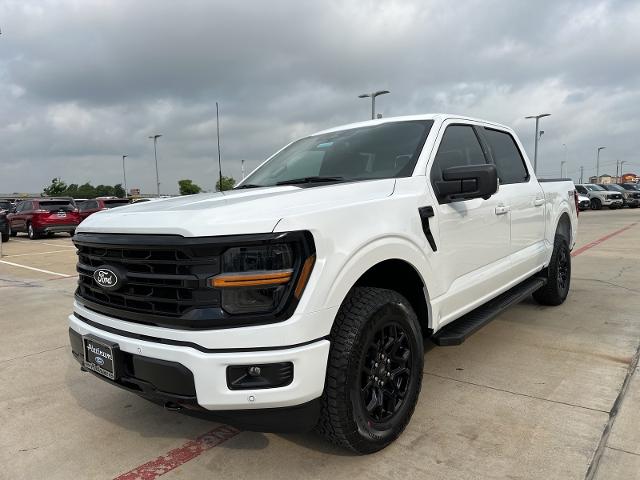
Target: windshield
381 151
54 206
614 188
595 188
631 186
115 203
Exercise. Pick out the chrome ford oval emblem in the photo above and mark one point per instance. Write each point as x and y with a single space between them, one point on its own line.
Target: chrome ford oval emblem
99 360
106 278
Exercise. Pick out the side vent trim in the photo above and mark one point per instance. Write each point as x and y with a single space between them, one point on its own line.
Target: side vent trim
425 214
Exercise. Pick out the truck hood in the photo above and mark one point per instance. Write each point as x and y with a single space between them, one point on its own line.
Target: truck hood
234 212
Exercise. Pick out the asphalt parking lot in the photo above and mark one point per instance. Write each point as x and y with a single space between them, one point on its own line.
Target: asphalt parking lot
541 392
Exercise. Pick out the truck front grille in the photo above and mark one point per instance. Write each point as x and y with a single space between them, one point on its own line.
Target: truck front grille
161 276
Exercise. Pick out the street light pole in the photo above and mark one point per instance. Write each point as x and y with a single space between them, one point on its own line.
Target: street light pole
535 148
581 173
622 162
598 164
155 154
373 96
124 174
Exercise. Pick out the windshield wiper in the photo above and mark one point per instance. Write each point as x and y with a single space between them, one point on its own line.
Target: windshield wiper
248 185
294 181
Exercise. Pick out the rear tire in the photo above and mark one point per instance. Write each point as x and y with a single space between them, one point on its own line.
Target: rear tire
558 275
31 233
374 372
596 204
5 237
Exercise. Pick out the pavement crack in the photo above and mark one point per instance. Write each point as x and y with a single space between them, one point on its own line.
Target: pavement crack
32 354
516 393
612 284
624 451
604 438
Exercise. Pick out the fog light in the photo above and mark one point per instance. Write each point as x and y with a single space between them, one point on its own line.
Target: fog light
268 375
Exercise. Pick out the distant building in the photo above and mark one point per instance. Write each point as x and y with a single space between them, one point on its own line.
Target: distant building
629 178
602 179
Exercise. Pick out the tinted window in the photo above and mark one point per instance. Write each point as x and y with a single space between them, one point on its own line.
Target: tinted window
88 205
380 151
115 203
5 205
581 189
56 205
26 206
459 146
507 157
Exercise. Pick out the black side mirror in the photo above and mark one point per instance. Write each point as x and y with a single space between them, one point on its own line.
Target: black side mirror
466 182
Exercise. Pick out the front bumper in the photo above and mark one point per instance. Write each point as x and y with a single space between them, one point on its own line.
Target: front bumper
208 369
632 202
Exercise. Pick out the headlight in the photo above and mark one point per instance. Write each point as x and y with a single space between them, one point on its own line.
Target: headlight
258 279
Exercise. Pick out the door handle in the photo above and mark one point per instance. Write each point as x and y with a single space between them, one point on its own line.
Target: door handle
502 209
538 202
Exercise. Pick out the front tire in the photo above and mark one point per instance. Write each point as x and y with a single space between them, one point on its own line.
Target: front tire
596 204
374 372
558 275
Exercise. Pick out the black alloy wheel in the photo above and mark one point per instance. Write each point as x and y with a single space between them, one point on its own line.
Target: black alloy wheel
385 372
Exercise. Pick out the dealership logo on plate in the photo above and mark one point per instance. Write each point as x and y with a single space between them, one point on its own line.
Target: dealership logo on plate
106 278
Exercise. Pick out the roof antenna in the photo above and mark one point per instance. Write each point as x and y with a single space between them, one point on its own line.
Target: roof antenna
219 158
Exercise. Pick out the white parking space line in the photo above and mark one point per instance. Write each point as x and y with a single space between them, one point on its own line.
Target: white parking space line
36 253
37 269
44 243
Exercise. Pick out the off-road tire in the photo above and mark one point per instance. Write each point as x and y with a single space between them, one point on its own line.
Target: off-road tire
557 288
345 419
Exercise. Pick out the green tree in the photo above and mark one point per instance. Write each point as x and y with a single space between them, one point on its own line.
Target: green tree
56 189
104 191
187 187
86 191
72 190
227 184
118 191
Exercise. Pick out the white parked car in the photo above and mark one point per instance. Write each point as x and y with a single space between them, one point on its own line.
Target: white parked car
600 197
301 298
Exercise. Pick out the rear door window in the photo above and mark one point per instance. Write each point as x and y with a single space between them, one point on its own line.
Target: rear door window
507 157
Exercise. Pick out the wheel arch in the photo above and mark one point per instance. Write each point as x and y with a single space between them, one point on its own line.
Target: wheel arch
400 276
563 227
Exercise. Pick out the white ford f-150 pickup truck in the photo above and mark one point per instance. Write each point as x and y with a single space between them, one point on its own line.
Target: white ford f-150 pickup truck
302 297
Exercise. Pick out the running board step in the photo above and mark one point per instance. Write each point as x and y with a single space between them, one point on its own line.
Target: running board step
457 331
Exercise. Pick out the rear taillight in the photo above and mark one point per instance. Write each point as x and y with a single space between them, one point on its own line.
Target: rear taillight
575 199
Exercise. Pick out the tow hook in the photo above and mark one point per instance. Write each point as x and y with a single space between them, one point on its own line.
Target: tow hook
172 407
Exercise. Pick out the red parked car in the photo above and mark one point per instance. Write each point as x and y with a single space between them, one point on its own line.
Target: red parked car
44 216
89 207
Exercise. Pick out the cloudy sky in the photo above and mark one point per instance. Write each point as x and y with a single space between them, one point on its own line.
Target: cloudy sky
83 82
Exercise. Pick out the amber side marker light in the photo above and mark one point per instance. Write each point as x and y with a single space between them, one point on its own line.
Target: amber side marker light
304 275
251 279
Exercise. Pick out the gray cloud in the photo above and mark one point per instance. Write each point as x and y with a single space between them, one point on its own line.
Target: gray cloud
83 82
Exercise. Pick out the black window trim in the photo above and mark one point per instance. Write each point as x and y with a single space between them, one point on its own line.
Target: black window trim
485 144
